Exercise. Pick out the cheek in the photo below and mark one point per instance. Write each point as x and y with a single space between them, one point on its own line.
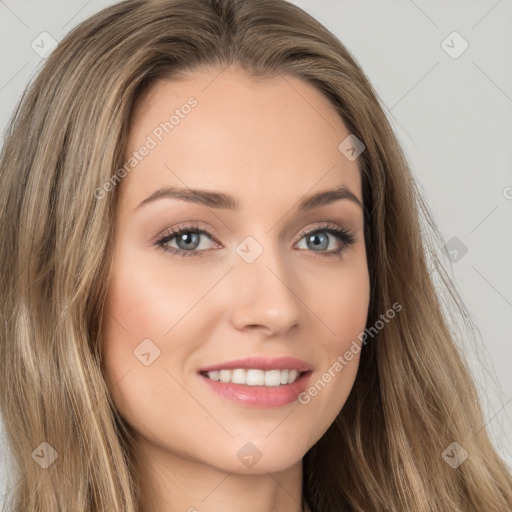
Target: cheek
140 310
343 310
343 305
142 298
134 313
150 325
145 301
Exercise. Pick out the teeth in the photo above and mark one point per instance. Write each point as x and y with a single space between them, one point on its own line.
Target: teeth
225 376
238 377
254 377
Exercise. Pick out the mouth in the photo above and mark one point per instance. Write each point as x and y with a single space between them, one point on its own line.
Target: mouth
258 382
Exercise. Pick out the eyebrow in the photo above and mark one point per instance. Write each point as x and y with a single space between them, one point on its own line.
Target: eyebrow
221 200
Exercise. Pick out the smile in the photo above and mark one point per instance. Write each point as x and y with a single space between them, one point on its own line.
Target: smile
254 377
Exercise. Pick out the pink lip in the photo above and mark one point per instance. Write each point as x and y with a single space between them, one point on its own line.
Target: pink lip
259 396
262 363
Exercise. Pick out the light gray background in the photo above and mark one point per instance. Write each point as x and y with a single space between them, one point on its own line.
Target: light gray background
452 115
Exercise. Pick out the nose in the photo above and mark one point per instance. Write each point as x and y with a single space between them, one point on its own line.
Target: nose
265 293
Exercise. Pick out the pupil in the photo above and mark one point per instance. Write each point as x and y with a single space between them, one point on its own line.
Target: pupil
315 240
188 238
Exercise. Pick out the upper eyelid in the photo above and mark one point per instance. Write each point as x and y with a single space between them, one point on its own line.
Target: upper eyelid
173 232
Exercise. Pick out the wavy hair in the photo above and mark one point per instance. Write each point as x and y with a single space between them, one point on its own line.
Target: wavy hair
413 395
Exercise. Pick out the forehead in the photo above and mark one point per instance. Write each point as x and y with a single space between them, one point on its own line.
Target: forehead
264 141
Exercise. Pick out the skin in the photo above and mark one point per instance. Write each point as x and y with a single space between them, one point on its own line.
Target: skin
268 143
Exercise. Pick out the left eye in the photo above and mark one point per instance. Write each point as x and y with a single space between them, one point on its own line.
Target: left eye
188 240
319 240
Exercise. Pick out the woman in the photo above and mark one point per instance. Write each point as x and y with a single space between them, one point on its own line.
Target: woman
257 374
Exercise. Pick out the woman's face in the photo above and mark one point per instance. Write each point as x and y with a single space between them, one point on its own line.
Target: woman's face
262 274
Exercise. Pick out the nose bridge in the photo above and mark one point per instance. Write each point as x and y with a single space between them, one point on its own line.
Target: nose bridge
265 287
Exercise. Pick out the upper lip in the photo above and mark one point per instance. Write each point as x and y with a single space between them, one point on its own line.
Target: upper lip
262 363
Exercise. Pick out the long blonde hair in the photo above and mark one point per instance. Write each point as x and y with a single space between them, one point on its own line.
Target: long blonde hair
413 395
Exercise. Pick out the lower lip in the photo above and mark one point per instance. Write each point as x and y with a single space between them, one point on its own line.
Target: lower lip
259 396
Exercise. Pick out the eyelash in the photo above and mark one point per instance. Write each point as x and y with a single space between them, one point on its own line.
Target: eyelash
346 237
